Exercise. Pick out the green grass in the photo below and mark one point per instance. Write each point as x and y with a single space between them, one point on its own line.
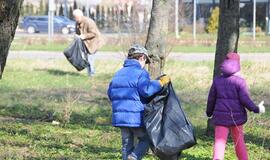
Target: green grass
211 49
205 43
109 48
35 92
54 47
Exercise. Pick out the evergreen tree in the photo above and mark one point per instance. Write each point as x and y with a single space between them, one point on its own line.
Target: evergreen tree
84 10
75 6
90 14
212 25
113 14
70 13
109 18
61 10
102 17
98 15
114 18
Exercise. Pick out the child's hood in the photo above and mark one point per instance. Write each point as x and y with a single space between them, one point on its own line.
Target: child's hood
229 67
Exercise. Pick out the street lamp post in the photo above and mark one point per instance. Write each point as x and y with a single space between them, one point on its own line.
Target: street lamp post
50 18
194 18
176 18
267 17
254 19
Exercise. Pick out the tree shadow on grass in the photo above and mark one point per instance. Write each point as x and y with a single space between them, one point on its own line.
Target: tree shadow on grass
97 116
57 72
100 119
191 157
259 141
98 150
26 112
200 133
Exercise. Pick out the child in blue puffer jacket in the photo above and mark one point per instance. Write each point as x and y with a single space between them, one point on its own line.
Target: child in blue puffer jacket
128 92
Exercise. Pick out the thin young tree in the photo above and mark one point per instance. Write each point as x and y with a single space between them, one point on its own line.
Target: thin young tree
61 10
157 33
75 6
9 15
228 35
70 14
41 8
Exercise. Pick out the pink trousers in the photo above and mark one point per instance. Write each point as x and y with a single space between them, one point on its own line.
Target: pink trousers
221 134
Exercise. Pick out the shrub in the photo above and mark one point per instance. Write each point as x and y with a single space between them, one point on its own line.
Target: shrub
68 108
212 25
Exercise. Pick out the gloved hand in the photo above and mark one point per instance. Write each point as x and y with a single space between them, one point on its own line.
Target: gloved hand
164 80
261 107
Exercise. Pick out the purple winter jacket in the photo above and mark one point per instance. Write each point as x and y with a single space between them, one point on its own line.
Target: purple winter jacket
229 96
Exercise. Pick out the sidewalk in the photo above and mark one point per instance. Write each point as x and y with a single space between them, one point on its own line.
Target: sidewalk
121 56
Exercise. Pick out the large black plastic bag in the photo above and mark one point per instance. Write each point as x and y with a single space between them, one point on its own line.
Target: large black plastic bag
168 128
75 54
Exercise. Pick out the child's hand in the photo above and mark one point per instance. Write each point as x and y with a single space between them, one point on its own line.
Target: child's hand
261 107
164 80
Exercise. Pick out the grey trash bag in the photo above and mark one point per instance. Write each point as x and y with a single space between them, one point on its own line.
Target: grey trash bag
75 54
167 126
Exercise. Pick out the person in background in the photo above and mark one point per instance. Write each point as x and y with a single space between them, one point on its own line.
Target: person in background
128 92
227 102
87 30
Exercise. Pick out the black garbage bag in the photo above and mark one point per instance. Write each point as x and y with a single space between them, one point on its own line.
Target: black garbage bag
75 54
168 128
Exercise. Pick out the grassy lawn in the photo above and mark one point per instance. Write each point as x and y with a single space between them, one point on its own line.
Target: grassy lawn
51 46
211 49
205 43
33 93
108 48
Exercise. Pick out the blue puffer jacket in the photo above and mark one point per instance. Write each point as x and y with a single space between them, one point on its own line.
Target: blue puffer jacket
128 92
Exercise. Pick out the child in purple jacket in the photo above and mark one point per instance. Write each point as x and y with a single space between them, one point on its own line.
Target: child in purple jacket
227 102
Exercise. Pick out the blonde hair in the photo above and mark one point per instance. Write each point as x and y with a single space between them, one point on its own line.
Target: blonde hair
77 12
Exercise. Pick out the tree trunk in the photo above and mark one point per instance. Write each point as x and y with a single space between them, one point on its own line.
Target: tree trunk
157 33
227 41
228 31
9 14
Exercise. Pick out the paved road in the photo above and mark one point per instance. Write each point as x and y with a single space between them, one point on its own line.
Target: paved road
121 56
